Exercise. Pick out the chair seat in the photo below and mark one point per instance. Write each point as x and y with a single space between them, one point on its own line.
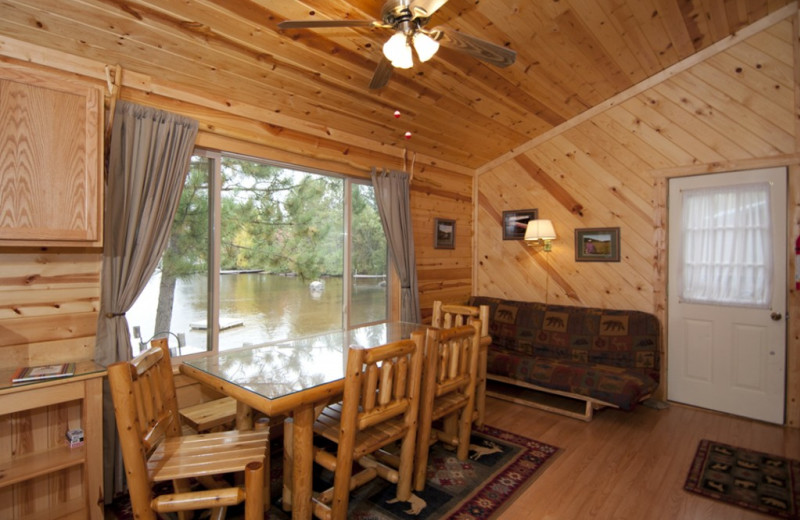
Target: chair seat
328 425
153 449
206 454
211 414
447 404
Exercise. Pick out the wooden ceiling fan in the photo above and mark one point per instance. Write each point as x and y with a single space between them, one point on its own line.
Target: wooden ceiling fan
407 18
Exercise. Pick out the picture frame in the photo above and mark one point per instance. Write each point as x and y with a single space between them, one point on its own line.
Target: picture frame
597 245
444 233
516 221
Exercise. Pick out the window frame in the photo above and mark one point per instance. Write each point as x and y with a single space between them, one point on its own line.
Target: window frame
213 304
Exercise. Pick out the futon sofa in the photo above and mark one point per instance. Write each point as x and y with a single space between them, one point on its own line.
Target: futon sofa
599 357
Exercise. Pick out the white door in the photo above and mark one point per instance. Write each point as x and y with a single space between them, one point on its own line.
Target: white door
727 292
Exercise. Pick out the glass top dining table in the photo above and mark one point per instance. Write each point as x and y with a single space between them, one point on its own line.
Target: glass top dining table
291 378
280 369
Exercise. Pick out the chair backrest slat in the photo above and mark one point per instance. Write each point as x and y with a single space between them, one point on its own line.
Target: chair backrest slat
389 384
399 388
386 387
369 393
452 358
447 315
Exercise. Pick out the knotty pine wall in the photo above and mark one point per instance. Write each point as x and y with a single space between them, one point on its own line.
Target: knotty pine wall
49 298
735 109
731 110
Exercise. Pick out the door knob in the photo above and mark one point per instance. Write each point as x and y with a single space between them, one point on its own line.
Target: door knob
776 316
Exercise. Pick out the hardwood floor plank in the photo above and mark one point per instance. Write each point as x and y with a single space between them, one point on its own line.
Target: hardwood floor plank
633 465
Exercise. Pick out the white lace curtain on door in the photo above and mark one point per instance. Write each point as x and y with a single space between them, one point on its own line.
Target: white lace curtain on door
727 246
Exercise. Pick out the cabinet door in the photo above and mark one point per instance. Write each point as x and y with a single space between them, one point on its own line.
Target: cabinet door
50 159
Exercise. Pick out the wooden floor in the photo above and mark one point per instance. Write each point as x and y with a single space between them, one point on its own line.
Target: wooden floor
630 465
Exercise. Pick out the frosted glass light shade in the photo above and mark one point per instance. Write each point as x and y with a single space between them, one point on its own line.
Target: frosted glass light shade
540 230
398 51
425 46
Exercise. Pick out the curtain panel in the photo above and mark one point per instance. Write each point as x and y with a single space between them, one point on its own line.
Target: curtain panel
392 194
727 246
149 156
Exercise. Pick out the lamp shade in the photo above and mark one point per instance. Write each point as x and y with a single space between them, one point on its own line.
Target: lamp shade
541 229
398 51
425 46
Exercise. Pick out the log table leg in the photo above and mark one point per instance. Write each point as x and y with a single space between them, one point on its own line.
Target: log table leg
303 453
288 463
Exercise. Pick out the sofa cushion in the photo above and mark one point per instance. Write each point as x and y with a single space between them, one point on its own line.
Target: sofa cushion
608 355
615 385
617 338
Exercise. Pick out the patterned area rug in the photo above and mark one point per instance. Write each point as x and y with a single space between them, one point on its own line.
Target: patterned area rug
750 479
500 466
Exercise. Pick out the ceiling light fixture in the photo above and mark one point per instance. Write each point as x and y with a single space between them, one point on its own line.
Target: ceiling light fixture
425 46
398 51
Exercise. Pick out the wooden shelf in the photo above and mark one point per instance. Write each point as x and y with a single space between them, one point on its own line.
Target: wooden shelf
41 463
40 475
83 370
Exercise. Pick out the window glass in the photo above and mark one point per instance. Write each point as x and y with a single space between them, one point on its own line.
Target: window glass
174 301
369 280
281 249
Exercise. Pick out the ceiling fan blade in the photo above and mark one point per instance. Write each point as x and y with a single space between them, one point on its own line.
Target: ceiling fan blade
322 24
481 49
425 8
382 73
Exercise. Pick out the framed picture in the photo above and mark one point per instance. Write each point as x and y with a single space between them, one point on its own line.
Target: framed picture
444 234
515 222
597 245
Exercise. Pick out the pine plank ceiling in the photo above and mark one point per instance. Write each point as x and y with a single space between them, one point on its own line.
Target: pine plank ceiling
571 55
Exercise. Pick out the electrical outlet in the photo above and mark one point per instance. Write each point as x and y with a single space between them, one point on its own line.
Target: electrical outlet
137 333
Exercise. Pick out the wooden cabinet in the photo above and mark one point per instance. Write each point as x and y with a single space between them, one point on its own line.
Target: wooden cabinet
40 475
50 159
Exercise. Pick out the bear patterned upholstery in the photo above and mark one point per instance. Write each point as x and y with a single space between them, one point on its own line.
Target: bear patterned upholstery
609 356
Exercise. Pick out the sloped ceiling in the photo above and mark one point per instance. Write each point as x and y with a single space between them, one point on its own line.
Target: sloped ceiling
571 56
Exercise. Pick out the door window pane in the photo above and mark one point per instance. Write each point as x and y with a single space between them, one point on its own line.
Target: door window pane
727 245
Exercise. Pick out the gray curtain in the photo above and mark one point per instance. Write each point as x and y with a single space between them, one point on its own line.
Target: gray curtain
149 157
392 193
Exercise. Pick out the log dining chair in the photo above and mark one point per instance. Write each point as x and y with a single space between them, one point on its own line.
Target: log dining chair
379 406
447 315
154 450
450 372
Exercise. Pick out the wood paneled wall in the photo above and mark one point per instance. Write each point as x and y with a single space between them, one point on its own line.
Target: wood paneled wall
50 298
735 109
48 305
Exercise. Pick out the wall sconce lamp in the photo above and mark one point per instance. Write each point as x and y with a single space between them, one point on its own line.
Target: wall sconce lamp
541 229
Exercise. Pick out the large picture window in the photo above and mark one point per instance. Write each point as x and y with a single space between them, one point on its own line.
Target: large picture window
262 252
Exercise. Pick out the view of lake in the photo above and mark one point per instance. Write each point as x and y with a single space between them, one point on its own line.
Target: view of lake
269 307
